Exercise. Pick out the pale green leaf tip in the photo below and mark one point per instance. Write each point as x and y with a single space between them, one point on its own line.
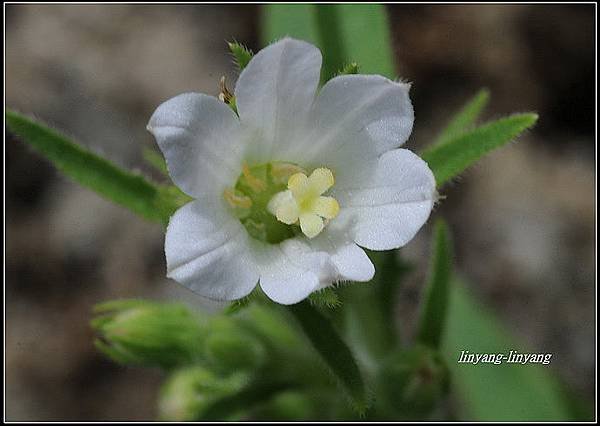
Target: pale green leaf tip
484 94
533 116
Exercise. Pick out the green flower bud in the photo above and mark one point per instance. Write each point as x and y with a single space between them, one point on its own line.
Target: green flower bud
230 352
148 333
228 348
412 381
288 406
188 393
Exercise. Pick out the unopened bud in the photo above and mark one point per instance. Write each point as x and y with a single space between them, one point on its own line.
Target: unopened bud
189 393
228 349
148 333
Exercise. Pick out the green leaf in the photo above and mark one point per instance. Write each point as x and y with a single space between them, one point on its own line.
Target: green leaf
465 118
293 20
241 54
155 159
329 31
433 311
489 392
453 157
366 33
361 26
150 201
333 351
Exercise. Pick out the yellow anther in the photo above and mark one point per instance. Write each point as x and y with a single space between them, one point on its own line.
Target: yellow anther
303 201
281 172
237 201
252 181
224 95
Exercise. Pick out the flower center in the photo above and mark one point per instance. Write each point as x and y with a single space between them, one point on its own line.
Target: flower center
304 203
277 201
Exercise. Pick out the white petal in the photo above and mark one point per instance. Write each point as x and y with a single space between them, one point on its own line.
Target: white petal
290 271
207 251
386 211
356 117
274 94
349 261
353 264
198 137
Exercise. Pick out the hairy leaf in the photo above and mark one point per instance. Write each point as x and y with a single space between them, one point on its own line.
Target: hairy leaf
465 118
451 158
131 190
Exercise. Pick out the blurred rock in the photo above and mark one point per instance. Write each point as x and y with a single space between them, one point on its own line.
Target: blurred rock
96 72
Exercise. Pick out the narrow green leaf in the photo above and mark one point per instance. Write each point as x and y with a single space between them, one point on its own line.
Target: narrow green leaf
496 392
329 31
366 32
128 189
361 26
333 351
465 118
241 54
155 159
453 157
293 20
433 312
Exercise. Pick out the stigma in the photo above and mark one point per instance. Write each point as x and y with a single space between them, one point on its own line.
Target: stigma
303 202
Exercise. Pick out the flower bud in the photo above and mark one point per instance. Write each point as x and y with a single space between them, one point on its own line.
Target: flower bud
188 393
227 348
231 352
148 333
412 381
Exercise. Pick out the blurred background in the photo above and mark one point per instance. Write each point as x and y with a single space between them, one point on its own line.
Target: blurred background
523 219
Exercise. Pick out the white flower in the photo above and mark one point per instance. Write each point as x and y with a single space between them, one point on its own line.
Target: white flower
287 193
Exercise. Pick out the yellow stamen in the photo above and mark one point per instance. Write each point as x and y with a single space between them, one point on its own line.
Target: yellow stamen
234 200
253 182
281 172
